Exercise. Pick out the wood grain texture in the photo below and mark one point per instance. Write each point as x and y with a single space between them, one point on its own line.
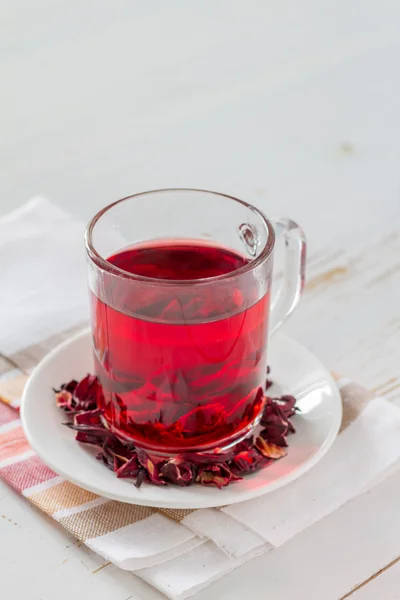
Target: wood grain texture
286 105
361 586
350 312
383 585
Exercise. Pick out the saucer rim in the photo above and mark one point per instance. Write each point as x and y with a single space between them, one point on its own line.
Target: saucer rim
169 496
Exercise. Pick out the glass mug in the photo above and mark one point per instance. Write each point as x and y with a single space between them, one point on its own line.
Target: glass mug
180 285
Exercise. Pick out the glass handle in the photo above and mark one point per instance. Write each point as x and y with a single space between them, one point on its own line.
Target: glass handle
286 298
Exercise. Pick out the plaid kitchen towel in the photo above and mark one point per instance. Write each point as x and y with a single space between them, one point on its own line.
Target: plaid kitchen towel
160 545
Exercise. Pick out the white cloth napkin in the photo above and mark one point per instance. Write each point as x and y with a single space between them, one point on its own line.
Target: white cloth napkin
44 292
42 274
367 448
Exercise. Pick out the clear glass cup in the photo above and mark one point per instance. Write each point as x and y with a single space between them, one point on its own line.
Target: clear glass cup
180 344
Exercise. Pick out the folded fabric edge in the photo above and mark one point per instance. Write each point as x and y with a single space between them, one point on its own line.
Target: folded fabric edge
378 416
230 535
205 564
134 564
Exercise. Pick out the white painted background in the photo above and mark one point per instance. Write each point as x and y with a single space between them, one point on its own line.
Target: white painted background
294 106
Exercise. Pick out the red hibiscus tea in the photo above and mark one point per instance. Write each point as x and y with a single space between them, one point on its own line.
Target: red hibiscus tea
180 285
182 361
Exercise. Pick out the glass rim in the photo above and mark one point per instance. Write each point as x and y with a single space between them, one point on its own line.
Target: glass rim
107 266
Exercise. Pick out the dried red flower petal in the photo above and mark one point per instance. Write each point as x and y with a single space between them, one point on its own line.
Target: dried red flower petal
102 457
284 410
85 391
276 430
141 477
96 431
269 450
246 461
289 405
246 444
277 440
80 400
150 466
179 471
64 400
219 475
129 468
202 420
89 417
108 458
79 396
88 393
68 387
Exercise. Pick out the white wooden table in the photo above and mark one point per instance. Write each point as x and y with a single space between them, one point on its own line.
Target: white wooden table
291 105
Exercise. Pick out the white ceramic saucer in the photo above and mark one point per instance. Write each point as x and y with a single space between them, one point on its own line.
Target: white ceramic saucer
295 370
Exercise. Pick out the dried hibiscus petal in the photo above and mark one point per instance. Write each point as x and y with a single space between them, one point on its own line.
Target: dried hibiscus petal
68 387
246 444
89 417
271 408
246 461
277 440
105 457
282 410
86 433
81 400
141 477
85 390
202 418
275 430
121 452
64 400
100 457
150 466
179 471
269 450
289 405
277 424
88 393
219 475
88 438
129 468
117 460
79 396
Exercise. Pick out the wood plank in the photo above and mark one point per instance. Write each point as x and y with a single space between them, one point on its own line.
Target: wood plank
350 312
383 585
